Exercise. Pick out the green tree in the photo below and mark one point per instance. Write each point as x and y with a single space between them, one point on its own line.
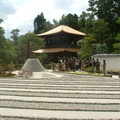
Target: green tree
100 30
86 48
2 44
117 44
89 23
109 10
15 36
11 53
39 23
48 26
85 22
28 43
15 40
82 20
70 20
10 67
56 23
7 49
62 21
100 48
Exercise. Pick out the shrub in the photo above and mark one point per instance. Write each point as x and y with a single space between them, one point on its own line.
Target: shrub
89 69
10 67
2 68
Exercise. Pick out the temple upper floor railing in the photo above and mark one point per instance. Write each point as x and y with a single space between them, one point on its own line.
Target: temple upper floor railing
62 46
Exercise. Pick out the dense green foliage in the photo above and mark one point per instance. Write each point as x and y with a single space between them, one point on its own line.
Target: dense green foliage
70 20
108 10
2 43
87 47
100 30
117 44
101 23
41 25
19 48
28 43
7 49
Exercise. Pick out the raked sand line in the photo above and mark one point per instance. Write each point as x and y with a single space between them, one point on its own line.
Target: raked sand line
64 83
64 79
60 91
48 99
58 114
60 88
24 84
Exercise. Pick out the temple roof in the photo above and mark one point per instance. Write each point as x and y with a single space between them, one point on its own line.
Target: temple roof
55 50
61 28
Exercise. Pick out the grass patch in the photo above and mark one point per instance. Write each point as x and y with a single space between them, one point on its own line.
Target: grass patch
88 73
95 74
7 75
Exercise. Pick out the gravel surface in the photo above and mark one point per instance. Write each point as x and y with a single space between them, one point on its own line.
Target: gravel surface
66 86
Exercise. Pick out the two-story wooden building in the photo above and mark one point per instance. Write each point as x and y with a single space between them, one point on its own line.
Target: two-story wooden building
61 42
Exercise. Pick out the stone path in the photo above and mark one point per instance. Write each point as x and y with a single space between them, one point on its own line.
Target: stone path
60 96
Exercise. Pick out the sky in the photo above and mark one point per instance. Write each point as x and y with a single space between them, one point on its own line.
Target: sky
20 14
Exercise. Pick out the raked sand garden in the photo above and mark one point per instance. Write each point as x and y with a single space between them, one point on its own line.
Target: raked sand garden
60 96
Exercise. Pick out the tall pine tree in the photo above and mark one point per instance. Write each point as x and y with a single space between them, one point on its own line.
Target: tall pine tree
39 23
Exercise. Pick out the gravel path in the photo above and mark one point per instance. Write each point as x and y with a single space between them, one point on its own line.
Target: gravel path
60 96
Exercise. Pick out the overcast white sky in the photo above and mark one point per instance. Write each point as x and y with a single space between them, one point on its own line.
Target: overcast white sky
20 14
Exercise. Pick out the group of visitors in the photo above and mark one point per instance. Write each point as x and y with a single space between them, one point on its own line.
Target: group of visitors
88 65
93 65
69 64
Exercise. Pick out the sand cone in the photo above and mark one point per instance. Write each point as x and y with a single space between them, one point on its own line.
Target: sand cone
33 65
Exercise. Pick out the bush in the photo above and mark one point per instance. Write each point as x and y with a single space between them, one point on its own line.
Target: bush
53 66
18 66
10 67
89 69
2 68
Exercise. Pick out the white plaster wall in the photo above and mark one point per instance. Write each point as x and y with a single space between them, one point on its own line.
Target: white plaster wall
112 64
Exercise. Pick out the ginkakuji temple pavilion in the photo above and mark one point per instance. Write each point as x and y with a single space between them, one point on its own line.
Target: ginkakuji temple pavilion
61 42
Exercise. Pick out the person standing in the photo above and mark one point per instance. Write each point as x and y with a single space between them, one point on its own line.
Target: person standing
97 65
83 65
93 62
104 66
